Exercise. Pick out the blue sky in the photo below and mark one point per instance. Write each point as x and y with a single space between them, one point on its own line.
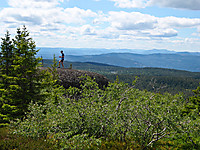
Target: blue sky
111 24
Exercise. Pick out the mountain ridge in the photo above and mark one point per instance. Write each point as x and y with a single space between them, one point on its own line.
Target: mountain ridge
160 58
97 51
171 61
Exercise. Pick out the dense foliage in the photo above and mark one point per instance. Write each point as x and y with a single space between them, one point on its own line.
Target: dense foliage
194 103
84 118
20 79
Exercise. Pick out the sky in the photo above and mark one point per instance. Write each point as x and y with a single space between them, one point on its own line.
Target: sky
110 24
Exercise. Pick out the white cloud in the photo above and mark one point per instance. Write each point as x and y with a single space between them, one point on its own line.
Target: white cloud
44 17
130 3
34 3
46 22
135 23
108 33
161 33
184 4
77 15
176 22
198 29
88 30
132 21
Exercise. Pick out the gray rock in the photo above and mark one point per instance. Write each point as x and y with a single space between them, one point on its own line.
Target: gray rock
71 77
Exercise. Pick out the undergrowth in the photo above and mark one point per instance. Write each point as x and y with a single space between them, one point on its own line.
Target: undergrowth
9 141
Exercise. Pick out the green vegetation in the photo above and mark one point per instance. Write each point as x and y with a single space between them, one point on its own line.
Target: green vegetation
119 116
194 105
10 141
20 79
88 117
150 79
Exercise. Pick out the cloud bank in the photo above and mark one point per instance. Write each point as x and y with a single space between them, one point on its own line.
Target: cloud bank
189 4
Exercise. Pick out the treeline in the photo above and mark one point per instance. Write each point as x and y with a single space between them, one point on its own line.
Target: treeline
161 84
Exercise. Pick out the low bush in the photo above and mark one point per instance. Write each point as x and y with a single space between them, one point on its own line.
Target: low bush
90 117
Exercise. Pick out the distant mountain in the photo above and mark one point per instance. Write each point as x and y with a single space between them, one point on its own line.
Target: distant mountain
178 61
48 53
116 59
162 58
189 53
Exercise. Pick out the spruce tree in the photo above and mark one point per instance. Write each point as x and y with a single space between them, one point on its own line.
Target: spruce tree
21 80
194 103
6 80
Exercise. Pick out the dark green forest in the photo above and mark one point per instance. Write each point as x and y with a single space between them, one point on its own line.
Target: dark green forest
131 112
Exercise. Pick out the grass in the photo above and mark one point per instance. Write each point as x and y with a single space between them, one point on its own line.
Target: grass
10 141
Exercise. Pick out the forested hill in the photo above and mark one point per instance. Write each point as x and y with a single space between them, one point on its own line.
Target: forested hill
180 61
111 69
160 58
152 79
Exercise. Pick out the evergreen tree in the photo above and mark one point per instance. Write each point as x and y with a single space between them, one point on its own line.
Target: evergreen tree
196 100
21 80
26 69
6 78
194 104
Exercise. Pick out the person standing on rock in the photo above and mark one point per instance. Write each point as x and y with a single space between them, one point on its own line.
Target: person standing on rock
62 59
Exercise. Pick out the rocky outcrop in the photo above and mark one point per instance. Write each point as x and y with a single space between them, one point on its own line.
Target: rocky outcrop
71 77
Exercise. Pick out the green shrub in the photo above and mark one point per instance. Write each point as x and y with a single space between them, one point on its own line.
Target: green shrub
87 117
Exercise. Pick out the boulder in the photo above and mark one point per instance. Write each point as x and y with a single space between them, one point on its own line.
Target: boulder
71 77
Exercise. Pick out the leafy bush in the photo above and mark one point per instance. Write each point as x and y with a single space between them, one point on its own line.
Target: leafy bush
88 117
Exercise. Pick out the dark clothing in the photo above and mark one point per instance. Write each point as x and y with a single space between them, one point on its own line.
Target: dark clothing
62 58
